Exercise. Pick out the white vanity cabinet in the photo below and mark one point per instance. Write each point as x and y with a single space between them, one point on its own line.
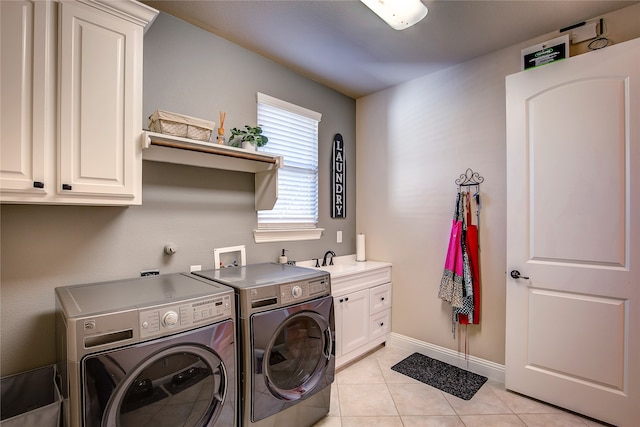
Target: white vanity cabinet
76 136
362 302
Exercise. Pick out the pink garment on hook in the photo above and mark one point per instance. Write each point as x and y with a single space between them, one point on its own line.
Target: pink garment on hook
452 278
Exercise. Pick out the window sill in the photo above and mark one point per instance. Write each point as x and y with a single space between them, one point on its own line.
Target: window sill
288 235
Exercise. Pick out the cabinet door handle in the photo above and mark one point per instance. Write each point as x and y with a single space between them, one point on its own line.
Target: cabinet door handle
382 299
38 184
381 323
346 299
66 186
341 300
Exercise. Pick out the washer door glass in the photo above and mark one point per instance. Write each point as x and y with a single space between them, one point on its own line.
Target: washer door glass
178 386
296 358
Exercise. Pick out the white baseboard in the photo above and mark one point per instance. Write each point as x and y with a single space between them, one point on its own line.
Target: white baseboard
474 364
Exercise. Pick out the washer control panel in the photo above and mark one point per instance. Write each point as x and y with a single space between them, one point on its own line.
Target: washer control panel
298 291
169 319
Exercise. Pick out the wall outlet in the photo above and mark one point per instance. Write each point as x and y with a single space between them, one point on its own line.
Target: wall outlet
339 237
195 268
145 273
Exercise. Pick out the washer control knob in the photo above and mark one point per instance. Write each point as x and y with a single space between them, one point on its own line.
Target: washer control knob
296 291
170 319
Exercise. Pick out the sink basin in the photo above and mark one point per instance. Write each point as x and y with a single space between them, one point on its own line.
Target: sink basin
343 265
346 268
338 268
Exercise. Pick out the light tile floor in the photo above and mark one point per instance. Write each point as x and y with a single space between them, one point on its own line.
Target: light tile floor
369 394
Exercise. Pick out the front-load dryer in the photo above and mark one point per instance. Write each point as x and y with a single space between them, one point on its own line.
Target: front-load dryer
151 351
286 342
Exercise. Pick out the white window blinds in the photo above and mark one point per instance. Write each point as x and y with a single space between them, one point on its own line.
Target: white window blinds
293 134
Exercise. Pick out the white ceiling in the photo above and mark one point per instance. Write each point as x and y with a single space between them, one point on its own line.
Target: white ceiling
343 45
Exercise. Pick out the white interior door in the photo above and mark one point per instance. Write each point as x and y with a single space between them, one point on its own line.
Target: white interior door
573 232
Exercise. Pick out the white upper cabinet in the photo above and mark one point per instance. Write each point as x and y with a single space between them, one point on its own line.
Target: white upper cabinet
91 142
100 103
27 85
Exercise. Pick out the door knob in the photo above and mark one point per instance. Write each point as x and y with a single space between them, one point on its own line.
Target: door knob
516 275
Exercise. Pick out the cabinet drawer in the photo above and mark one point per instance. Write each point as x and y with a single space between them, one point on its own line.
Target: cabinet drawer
380 298
360 280
380 325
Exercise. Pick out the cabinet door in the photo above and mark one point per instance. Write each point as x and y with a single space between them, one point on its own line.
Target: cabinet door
380 298
100 103
355 320
27 86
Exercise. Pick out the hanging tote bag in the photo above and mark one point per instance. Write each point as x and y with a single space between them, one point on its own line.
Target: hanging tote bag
452 278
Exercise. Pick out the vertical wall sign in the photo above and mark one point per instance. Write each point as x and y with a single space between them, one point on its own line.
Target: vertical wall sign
338 179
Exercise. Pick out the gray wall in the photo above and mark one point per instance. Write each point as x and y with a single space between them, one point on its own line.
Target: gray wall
189 71
459 116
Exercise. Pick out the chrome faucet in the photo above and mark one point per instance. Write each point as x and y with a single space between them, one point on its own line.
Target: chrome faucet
324 259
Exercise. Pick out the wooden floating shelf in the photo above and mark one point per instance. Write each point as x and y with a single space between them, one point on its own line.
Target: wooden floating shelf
154 143
159 147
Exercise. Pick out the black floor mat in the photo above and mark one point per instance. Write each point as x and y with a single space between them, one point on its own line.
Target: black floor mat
445 377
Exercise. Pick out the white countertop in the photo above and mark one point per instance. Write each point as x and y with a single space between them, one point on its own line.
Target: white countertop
345 265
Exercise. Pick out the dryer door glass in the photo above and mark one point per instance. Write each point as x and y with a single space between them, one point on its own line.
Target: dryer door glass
298 355
180 386
293 355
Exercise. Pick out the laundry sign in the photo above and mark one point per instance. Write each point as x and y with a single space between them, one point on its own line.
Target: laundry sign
338 179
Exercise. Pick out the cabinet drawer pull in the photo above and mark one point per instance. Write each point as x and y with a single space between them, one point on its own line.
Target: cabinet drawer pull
38 184
381 323
382 299
66 186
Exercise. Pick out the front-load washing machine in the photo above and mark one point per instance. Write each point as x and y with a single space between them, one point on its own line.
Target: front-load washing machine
150 351
286 342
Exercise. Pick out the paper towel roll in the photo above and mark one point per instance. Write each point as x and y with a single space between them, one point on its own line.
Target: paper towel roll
360 254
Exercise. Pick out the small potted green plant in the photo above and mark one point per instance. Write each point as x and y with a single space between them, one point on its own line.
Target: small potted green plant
249 137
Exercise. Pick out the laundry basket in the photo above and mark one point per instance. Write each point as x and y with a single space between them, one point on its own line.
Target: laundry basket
30 398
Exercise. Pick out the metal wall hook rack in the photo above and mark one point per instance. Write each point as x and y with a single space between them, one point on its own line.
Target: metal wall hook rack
472 179
469 179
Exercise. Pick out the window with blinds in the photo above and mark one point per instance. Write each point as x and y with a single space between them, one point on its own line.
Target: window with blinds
293 133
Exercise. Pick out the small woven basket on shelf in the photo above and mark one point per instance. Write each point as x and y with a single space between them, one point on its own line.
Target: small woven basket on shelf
180 125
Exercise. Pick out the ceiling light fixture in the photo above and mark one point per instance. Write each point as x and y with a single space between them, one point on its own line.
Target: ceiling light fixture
399 14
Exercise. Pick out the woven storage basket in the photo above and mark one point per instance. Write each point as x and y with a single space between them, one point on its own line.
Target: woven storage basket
181 125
